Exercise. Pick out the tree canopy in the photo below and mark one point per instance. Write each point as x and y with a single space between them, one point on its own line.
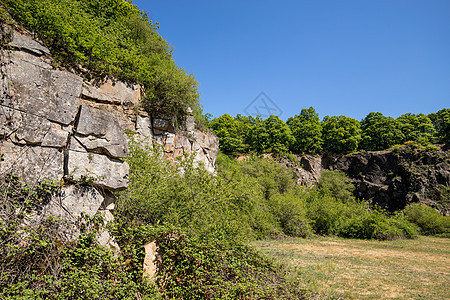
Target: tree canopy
306 134
380 132
307 130
341 134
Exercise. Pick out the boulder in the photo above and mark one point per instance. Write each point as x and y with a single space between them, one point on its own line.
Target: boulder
105 239
144 127
190 120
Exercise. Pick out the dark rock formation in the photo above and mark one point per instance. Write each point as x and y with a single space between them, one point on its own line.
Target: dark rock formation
393 179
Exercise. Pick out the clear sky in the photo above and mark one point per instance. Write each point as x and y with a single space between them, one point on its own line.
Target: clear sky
343 57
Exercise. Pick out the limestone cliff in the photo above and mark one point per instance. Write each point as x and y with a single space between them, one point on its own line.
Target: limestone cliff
56 125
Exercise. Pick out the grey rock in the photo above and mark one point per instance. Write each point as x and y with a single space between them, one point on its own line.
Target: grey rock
107 173
182 142
190 120
31 129
105 239
72 201
41 91
114 92
75 145
99 131
110 199
23 42
57 137
163 124
202 159
143 126
31 163
28 129
107 215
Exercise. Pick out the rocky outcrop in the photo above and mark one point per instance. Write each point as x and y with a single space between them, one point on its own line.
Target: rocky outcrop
56 125
204 145
391 179
41 116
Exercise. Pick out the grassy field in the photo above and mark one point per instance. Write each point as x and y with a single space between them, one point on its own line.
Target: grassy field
359 269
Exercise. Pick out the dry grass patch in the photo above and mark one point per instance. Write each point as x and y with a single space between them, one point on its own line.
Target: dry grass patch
360 269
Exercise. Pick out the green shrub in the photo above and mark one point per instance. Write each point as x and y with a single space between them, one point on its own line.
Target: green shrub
228 205
37 261
111 37
190 267
336 184
428 219
272 177
333 210
290 211
375 225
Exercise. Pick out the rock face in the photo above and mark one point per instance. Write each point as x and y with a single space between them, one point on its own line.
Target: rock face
393 179
204 145
55 125
390 179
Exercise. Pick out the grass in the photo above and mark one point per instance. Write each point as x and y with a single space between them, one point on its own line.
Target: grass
361 269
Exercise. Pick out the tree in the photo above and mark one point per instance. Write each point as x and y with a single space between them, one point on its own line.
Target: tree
341 134
441 122
272 135
380 132
307 131
229 134
418 128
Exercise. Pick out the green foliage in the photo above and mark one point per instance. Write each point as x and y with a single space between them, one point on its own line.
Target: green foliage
430 221
333 210
307 131
380 132
38 262
340 134
200 203
190 267
337 185
229 133
272 135
336 134
416 128
241 134
111 37
290 211
441 122
272 178
375 225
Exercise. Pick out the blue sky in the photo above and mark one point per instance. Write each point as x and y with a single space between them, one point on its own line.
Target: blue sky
343 57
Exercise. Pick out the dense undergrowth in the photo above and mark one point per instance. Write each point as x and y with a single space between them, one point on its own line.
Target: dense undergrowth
202 224
111 37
